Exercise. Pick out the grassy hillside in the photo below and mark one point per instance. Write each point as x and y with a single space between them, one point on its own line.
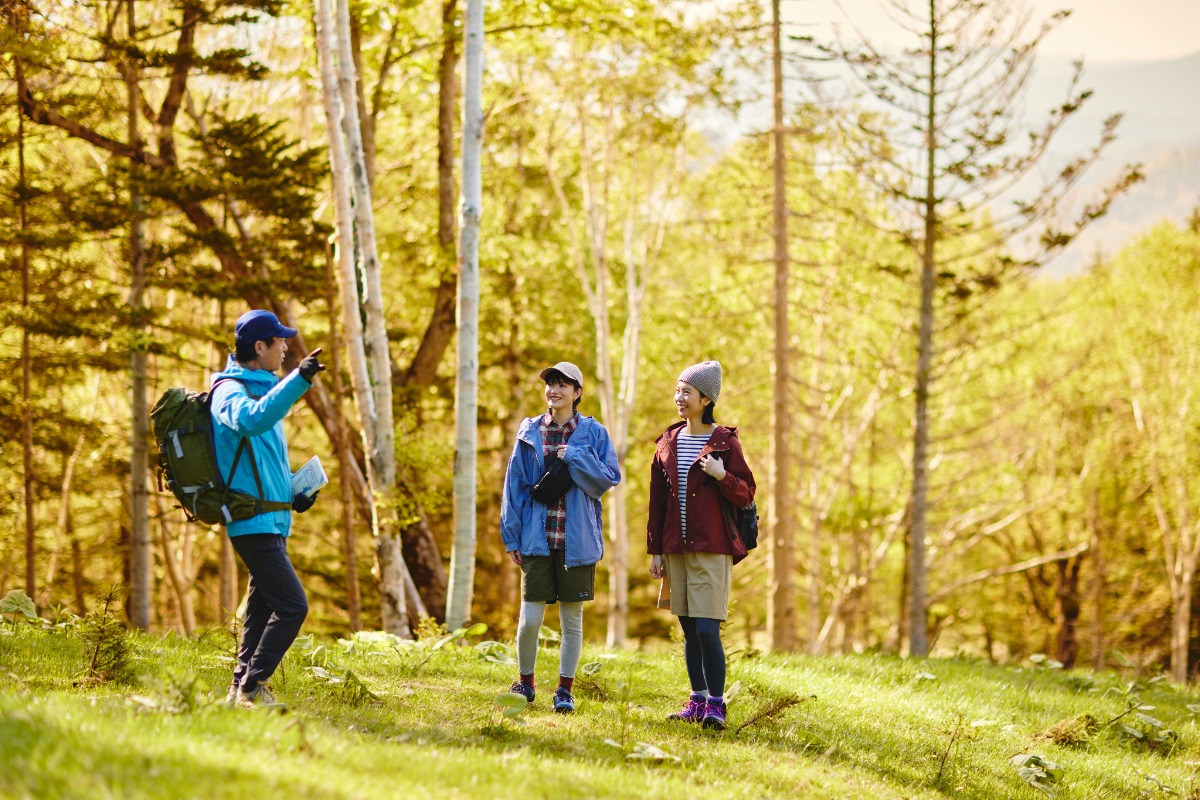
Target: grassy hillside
373 718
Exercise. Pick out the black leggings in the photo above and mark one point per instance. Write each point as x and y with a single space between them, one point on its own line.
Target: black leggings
704 654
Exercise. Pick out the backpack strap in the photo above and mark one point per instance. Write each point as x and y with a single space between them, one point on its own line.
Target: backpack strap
263 505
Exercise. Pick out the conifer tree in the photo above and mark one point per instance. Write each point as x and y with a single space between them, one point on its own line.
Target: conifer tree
950 152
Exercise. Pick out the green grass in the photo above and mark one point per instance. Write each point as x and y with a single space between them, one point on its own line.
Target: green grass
870 726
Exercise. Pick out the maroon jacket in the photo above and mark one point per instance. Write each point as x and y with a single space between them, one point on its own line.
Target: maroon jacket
709 526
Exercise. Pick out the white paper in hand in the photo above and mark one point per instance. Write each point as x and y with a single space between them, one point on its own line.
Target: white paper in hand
309 478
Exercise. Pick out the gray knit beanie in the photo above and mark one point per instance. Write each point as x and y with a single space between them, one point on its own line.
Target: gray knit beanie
705 376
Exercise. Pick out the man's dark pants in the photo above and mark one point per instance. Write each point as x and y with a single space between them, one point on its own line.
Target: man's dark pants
275 608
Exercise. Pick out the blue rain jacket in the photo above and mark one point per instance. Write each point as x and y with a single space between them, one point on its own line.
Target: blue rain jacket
592 462
236 415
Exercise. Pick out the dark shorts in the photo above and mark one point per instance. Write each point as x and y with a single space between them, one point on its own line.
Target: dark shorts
548 580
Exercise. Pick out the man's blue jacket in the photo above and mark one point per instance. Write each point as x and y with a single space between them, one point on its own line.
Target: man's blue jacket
236 415
592 462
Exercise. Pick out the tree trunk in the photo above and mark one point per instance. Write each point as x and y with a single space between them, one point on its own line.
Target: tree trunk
1098 581
918 642
1066 618
510 423
26 367
636 274
1181 624
447 91
812 456
342 448
420 549
141 575
77 578
177 558
781 608
227 570
227 580
854 611
462 558
360 102
381 458
376 421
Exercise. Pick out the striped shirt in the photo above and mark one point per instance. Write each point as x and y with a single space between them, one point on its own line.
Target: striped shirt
689 449
554 435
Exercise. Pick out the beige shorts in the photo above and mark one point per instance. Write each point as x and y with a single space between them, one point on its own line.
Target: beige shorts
696 584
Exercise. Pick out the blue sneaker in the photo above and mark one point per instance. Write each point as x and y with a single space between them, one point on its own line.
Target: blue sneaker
523 689
564 703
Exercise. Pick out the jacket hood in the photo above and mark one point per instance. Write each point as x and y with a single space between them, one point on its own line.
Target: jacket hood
720 435
259 378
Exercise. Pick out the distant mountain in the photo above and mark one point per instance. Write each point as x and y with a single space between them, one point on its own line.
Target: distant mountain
1160 129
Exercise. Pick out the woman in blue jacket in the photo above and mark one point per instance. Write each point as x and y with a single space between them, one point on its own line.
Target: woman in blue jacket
558 543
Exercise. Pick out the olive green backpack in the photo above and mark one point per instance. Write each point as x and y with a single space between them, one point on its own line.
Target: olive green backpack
187 457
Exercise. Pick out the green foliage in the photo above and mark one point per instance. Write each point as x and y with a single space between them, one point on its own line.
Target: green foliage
1039 772
15 603
589 680
511 706
1041 661
1149 732
496 653
353 690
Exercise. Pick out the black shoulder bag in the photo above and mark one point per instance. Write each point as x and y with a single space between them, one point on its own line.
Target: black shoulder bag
555 481
744 522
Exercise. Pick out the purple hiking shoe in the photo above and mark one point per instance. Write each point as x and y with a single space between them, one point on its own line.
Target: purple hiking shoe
714 714
692 711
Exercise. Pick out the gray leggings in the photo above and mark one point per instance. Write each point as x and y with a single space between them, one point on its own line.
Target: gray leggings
570 617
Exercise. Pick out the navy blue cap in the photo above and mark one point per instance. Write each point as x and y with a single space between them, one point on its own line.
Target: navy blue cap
254 326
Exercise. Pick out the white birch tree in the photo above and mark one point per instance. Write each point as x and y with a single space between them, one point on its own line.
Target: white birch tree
370 366
462 556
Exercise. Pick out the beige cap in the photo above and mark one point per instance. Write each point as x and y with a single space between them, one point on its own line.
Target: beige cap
566 368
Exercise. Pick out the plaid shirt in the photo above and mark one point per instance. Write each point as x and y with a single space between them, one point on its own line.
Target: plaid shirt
554 435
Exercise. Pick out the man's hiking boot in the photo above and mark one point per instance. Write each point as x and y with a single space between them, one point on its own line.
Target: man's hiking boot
523 689
714 714
260 697
692 711
231 696
564 703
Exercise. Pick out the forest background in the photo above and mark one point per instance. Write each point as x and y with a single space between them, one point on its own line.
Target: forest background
628 227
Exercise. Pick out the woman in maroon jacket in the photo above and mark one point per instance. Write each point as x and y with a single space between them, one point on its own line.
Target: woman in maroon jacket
698 474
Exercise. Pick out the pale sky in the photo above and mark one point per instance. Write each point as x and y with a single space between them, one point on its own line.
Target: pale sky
1099 30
